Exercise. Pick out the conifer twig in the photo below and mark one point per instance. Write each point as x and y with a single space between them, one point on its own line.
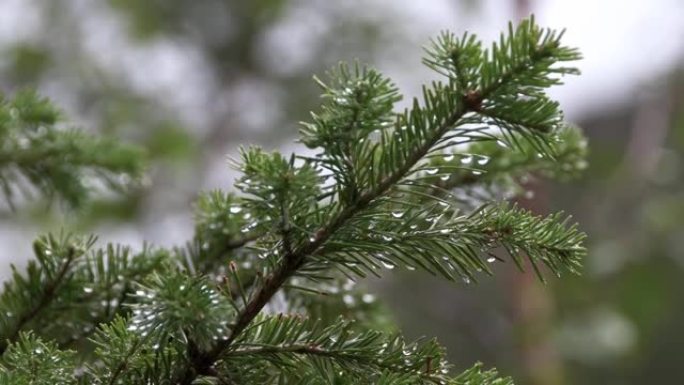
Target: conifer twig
471 101
293 261
47 296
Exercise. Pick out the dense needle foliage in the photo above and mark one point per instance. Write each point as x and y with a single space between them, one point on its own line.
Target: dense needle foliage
265 290
39 156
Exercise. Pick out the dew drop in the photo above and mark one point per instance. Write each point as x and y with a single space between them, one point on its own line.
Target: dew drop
348 299
397 214
235 209
444 177
386 238
491 259
483 160
467 159
448 158
411 268
388 265
477 172
349 284
87 289
432 171
368 298
582 164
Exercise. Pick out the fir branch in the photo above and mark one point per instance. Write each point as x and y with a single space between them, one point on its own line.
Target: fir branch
30 360
422 128
46 296
26 298
65 164
180 306
294 260
285 340
354 105
103 280
126 356
442 241
476 376
489 164
522 61
123 365
221 227
387 207
493 165
70 289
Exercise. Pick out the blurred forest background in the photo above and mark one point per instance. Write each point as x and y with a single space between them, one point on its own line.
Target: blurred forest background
192 80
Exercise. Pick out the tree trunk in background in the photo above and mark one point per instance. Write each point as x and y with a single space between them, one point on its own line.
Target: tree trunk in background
532 303
533 312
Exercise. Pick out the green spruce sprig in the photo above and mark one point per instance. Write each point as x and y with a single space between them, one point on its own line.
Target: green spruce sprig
250 298
39 156
379 175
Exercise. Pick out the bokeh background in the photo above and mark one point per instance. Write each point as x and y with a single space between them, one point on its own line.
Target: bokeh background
191 80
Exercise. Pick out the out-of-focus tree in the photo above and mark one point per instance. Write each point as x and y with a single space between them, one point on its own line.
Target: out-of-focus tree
632 201
177 76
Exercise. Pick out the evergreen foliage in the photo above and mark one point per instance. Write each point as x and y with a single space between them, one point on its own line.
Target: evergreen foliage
256 295
38 156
